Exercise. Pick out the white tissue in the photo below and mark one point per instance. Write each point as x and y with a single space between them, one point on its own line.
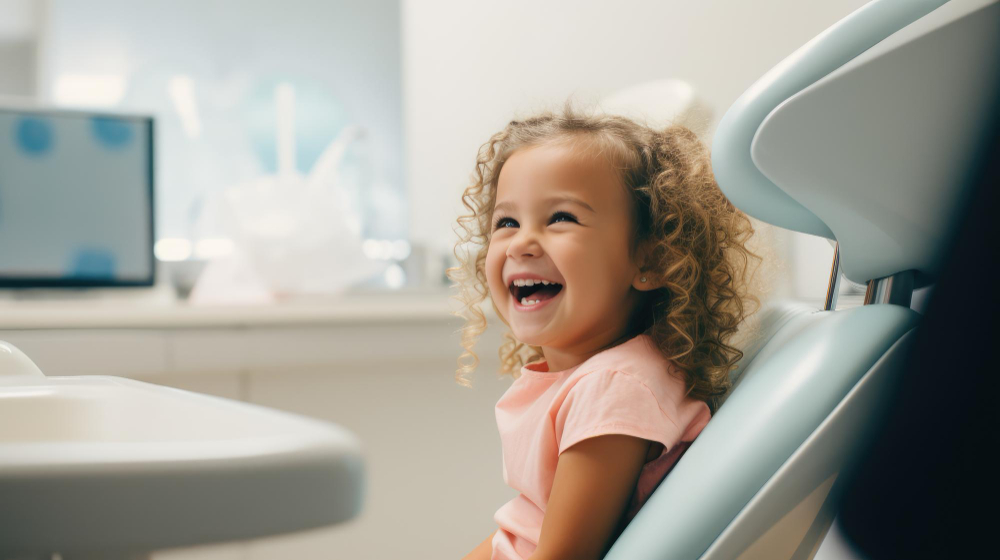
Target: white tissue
292 234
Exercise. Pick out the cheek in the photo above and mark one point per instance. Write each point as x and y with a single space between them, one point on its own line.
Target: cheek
578 255
597 269
495 256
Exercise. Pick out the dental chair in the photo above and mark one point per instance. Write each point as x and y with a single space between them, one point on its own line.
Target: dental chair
862 136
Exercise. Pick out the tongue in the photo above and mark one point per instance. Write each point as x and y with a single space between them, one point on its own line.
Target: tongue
542 293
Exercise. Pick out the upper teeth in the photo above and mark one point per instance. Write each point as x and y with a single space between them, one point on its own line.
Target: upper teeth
527 282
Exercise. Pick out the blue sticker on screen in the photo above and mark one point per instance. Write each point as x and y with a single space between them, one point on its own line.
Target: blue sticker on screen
34 135
112 133
92 263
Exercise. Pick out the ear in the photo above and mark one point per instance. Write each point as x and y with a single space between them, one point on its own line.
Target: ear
643 280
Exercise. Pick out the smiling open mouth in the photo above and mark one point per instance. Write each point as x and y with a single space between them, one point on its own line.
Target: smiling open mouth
529 292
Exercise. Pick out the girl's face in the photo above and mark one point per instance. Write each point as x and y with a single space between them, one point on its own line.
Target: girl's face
558 264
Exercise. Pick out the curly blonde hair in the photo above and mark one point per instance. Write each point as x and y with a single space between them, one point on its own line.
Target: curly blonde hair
693 239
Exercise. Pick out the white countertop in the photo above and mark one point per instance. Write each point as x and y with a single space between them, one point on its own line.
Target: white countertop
124 313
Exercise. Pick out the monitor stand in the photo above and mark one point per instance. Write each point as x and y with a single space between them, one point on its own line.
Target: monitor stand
164 291
160 293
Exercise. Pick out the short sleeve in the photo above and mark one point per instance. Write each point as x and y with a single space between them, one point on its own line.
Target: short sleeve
612 402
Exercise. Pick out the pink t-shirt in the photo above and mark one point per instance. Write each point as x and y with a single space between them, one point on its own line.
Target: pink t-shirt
623 390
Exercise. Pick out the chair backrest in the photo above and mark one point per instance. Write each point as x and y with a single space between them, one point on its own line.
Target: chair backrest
862 136
768 321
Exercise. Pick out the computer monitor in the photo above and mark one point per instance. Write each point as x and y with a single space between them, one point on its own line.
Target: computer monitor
76 199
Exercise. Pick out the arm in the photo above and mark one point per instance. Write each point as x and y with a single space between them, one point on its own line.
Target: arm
593 482
483 551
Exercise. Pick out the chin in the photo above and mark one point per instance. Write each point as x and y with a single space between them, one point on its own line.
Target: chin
528 336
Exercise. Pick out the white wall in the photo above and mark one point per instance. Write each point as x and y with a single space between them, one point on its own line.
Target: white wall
17 68
469 67
18 29
19 20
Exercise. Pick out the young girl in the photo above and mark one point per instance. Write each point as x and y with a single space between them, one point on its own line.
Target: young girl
622 272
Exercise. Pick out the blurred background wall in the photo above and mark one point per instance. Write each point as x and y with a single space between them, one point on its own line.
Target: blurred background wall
19 21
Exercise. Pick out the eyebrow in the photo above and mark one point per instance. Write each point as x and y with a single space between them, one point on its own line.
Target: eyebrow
508 206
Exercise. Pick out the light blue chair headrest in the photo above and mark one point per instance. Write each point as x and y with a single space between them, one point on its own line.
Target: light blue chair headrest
865 133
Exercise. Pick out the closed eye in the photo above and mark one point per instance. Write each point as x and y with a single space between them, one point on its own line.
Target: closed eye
563 217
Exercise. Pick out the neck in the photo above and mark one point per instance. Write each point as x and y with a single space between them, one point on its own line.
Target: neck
561 359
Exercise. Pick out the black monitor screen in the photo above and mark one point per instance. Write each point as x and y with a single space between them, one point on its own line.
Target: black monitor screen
76 199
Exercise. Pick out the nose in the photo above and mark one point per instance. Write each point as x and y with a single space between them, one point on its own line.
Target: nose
524 245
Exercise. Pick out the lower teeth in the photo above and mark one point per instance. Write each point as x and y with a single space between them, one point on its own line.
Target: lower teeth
526 301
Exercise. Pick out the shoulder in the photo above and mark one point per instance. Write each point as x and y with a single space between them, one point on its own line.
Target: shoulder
637 358
637 371
630 389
